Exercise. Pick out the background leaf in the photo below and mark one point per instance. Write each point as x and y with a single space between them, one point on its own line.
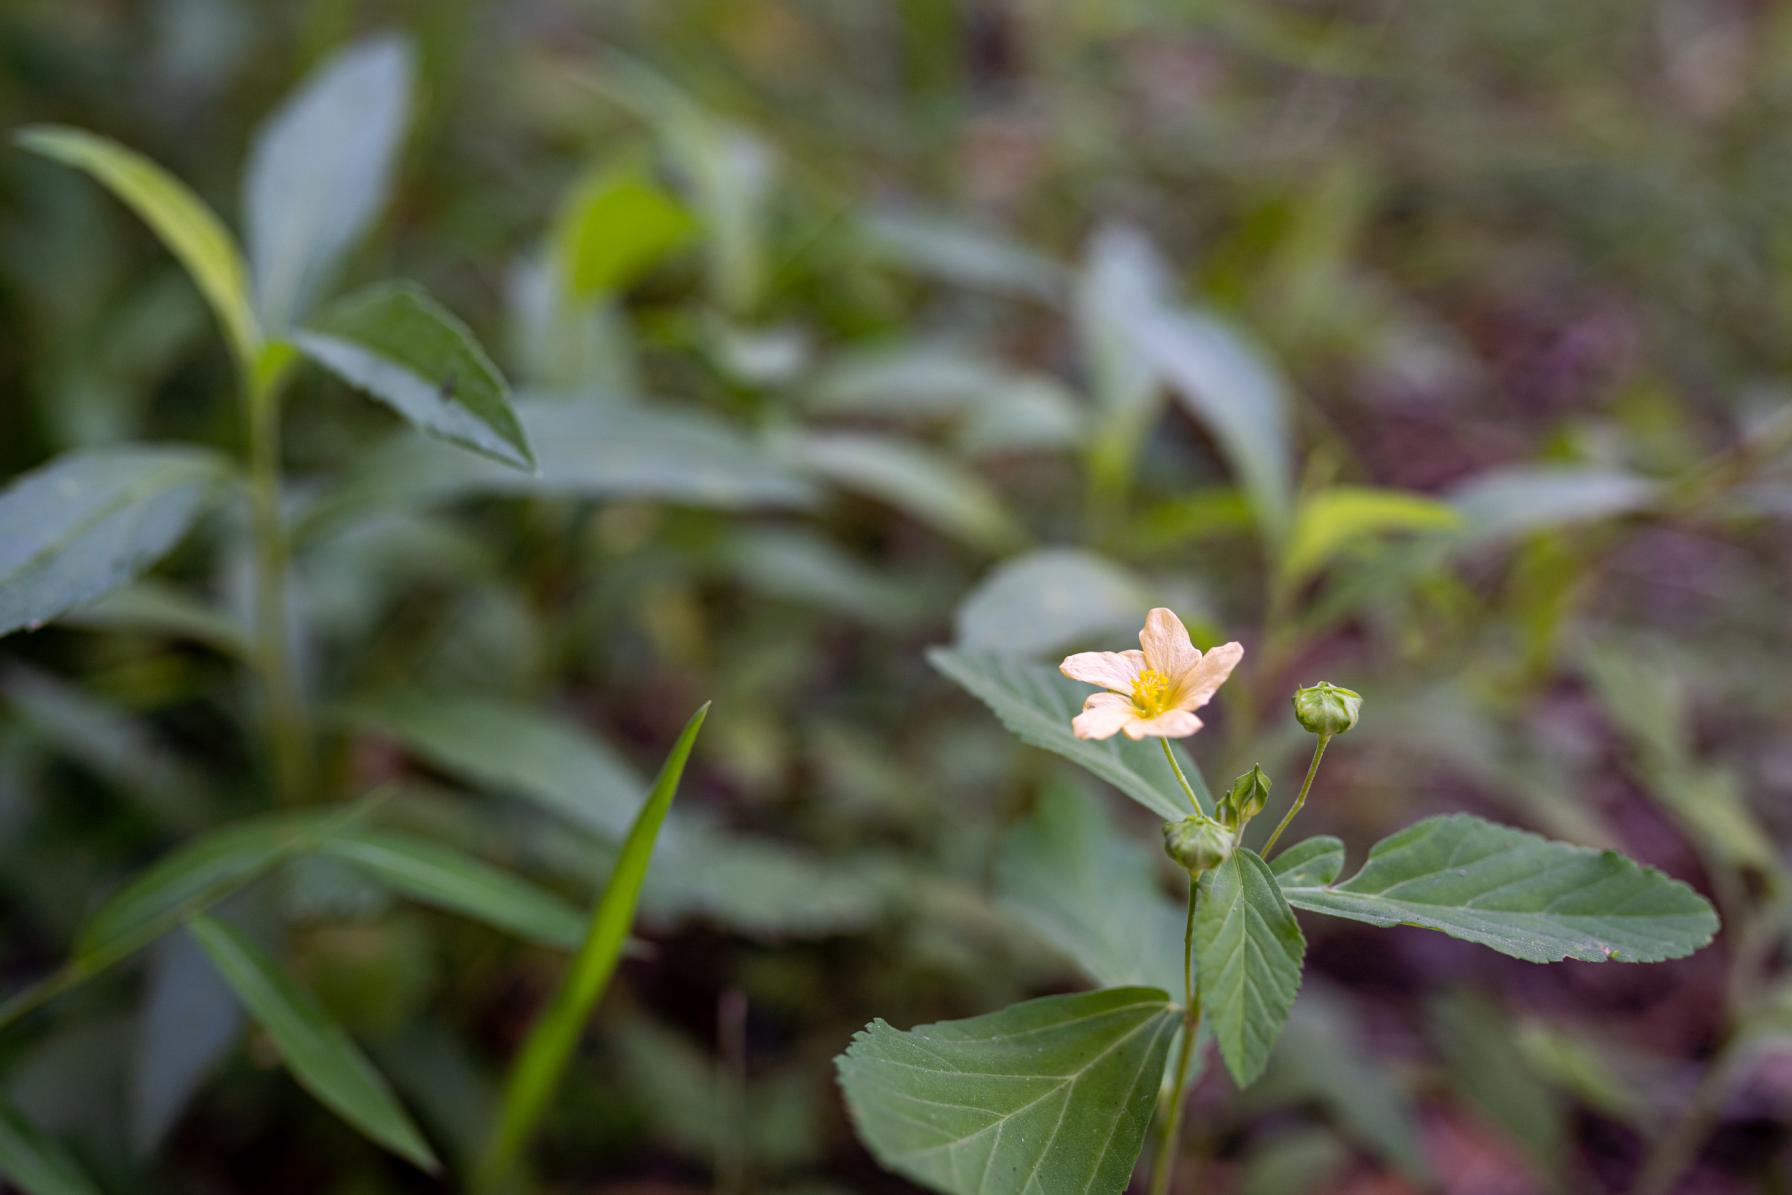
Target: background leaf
930 488
1334 519
613 228
1053 1095
38 1165
1248 952
1505 504
1050 599
186 1027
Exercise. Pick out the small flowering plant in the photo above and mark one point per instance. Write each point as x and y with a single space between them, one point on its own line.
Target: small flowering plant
1057 1095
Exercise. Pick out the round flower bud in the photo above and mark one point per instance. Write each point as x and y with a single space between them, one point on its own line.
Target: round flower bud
1197 844
1250 793
1326 709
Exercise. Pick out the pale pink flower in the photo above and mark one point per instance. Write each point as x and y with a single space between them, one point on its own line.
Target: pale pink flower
1155 691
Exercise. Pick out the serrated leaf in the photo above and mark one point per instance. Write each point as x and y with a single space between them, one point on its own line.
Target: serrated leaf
320 1055
546 1051
1248 952
1052 598
448 879
913 479
1052 1095
1037 704
88 522
1310 863
190 229
402 347
616 224
1520 894
319 171
36 1164
1334 519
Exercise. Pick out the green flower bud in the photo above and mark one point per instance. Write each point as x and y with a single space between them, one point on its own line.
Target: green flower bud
1197 844
1250 793
1326 709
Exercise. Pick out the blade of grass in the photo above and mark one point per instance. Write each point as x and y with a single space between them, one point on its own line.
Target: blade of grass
550 1044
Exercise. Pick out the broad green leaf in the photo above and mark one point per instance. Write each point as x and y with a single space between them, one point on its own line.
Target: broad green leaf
915 480
1050 599
1037 704
88 522
1225 382
1311 863
549 1046
320 1055
36 1164
1519 894
613 228
1332 520
1248 952
923 380
192 232
1025 415
1050 1096
964 254
1505 504
403 348
318 174
152 608
449 879
185 1029
1092 893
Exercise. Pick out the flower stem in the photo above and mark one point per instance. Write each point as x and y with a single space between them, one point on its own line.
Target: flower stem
1191 1023
288 733
1181 779
1305 787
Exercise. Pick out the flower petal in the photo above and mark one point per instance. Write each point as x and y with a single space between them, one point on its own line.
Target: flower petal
1166 643
1197 686
1103 716
1114 670
1173 724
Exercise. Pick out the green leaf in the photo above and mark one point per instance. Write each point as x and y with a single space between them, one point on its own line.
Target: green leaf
1052 1095
1037 704
449 879
928 487
613 228
319 172
1311 863
1332 520
88 522
153 608
1248 952
961 253
36 1164
1091 893
403 348
1054 598
549 1046
1505 504
185 1029
320 1055
1519 894
192 232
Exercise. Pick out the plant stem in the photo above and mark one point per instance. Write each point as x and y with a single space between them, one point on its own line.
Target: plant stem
1191 1024
1305 787
288 732
1180 778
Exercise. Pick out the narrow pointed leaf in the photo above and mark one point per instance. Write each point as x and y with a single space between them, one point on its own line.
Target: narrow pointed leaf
320 1055
551 1042
1037 704
190 229
1050 1096
35 1164
1332 520
88 522
188 1023
1311 863
402 347
915 480
1519 894
1248 951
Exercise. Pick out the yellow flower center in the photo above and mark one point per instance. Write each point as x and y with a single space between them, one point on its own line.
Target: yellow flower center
1151 693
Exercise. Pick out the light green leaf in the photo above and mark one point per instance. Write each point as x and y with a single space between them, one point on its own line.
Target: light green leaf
1519 894
924 380
403 348
36 1164
965 254
319 172
1049 599
1248 952
449 879
1050 1096
922 484
88 522
1037 704
1310 863
1505 504
320 1055
192 232
545 1053
1091 893
613 228
1332 520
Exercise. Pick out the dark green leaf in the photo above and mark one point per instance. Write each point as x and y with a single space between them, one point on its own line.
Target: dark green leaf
36 1164
1312 863
1248 952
